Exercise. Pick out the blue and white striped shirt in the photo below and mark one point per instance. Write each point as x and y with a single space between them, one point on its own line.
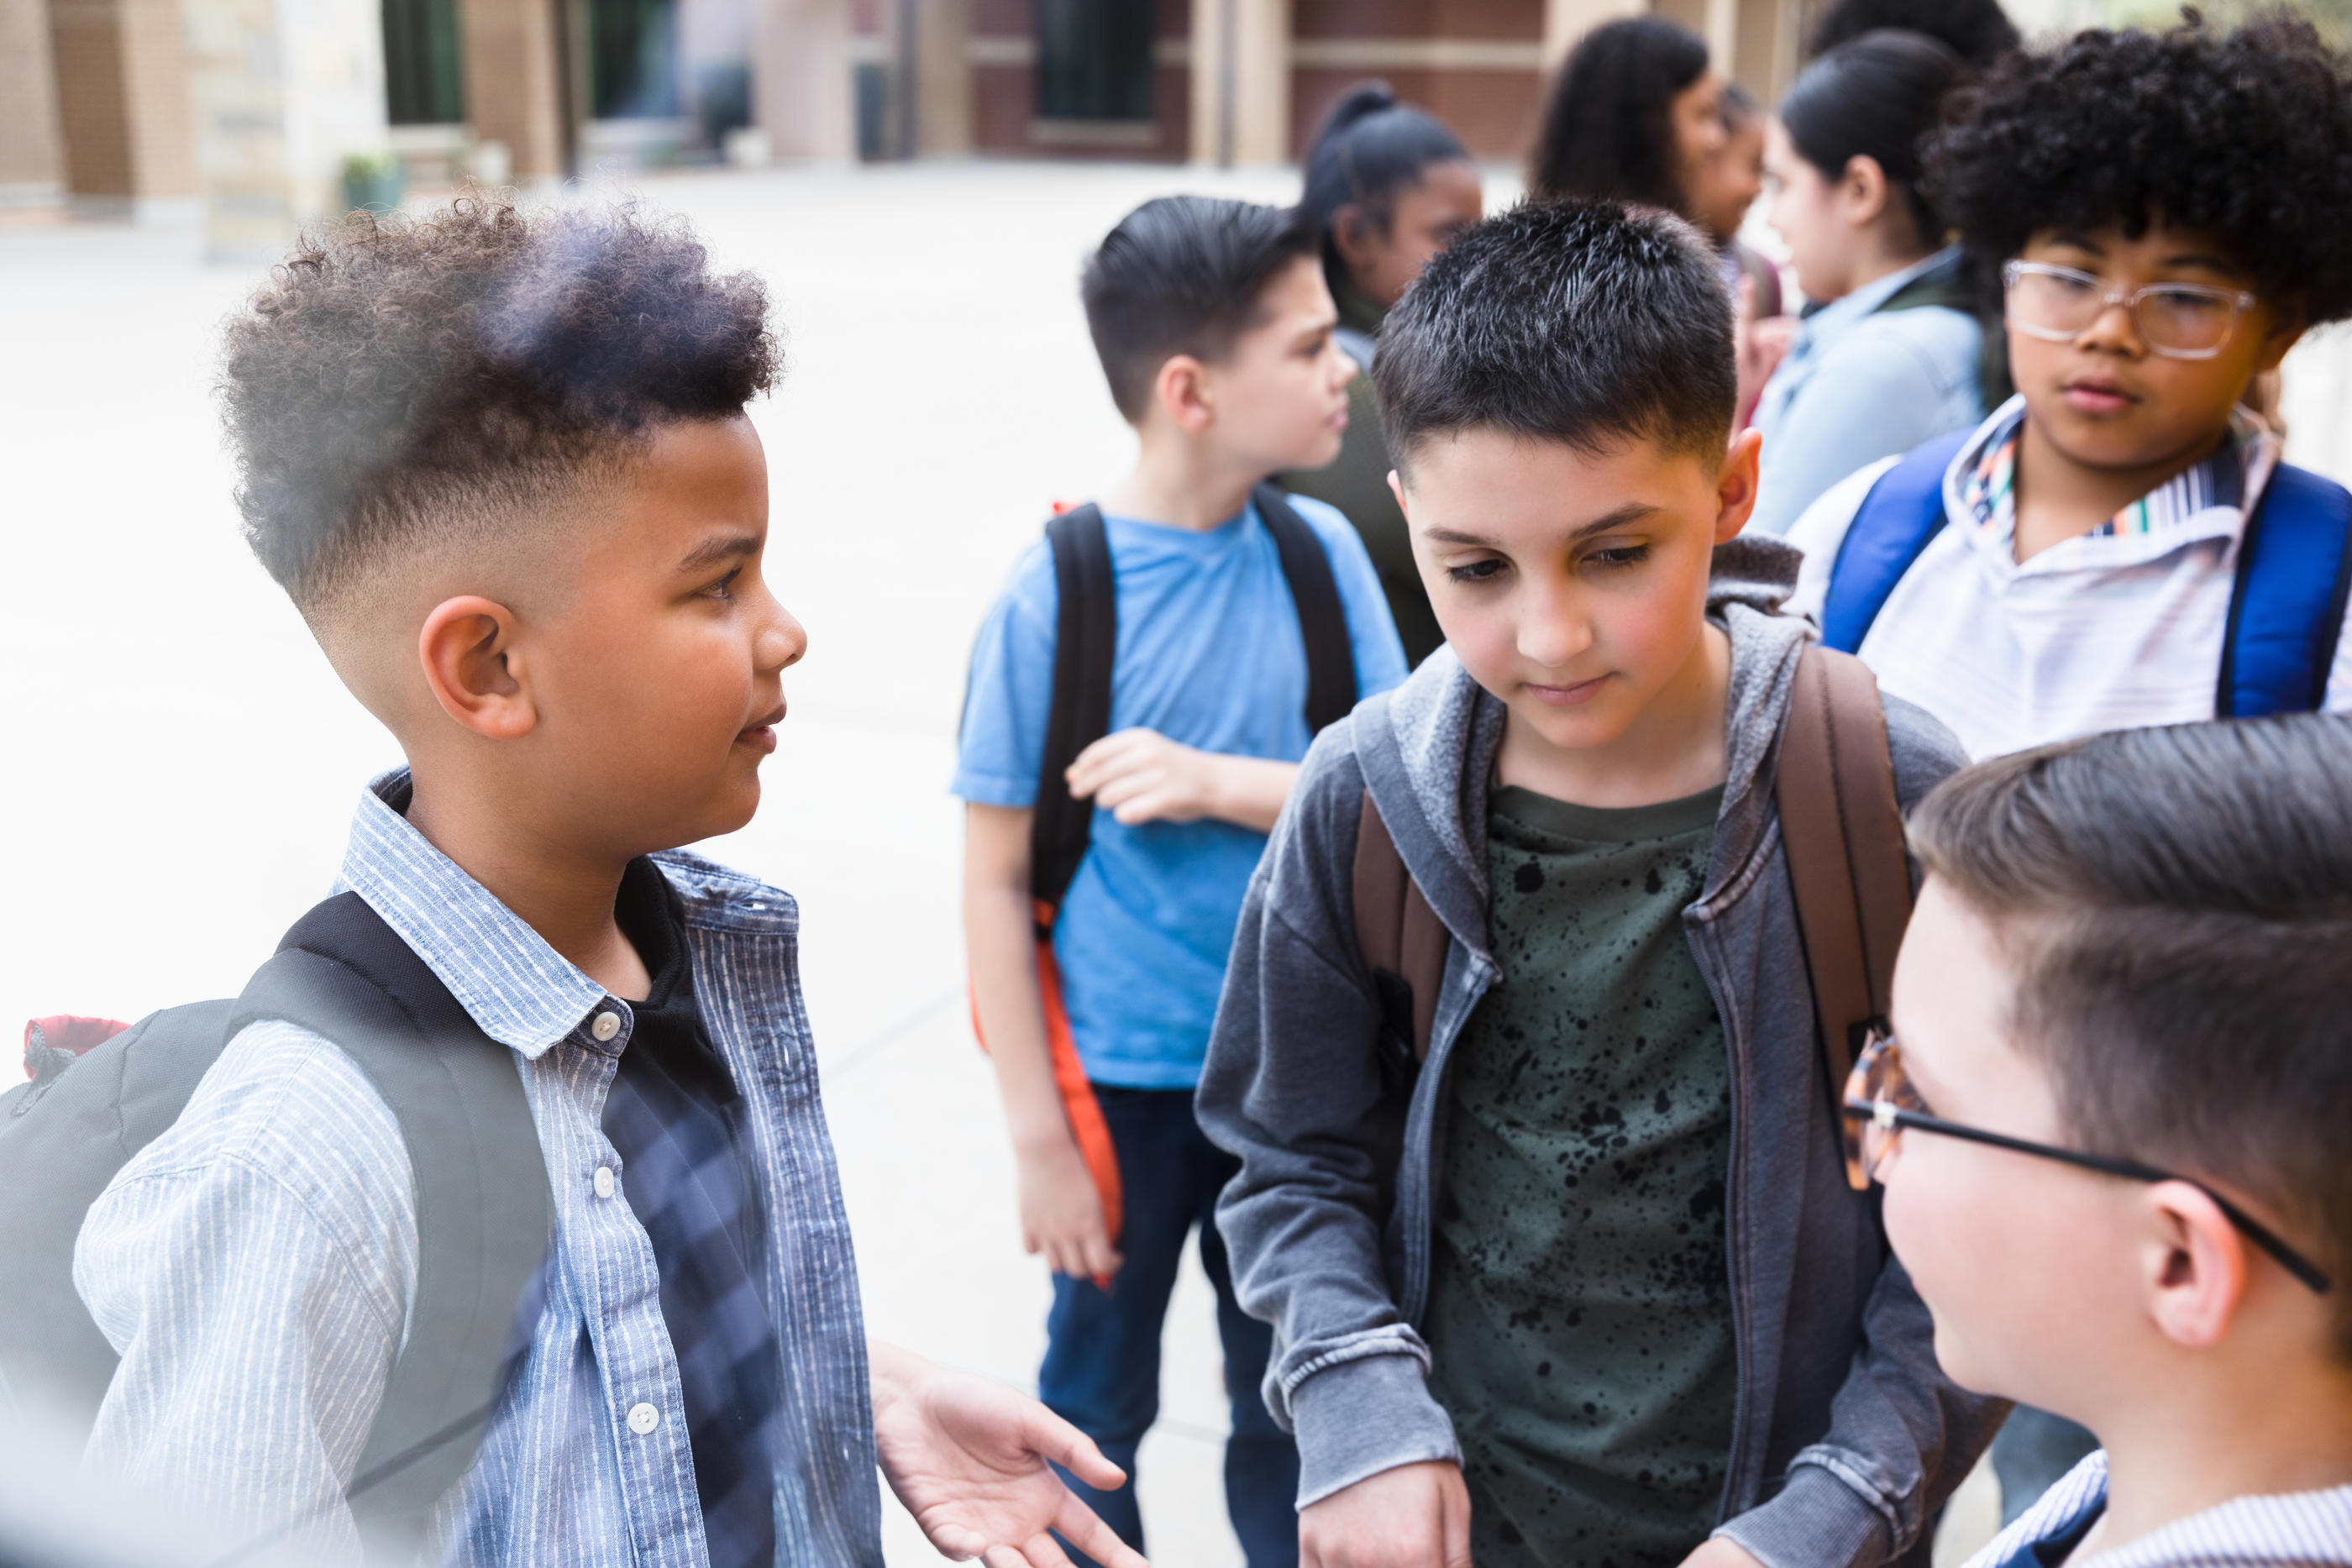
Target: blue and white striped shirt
254 1266
2283 1530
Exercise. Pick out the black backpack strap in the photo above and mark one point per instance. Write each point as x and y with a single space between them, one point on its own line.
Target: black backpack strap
484 1214
1086 644
1322 621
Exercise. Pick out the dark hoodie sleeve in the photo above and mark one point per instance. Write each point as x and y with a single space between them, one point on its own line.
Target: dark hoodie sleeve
1292 1088
1901 1436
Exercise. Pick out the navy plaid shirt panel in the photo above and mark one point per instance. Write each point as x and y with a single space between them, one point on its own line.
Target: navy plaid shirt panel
676 1121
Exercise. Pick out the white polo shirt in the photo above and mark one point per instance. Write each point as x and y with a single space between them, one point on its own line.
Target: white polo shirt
2113 629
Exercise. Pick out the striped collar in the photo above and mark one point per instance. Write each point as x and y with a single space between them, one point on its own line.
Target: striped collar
522 992
2284 1529
1988 484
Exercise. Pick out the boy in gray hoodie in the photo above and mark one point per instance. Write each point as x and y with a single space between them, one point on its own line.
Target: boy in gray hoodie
1589 1288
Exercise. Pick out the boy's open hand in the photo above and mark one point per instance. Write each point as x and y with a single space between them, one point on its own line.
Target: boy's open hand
970 1460
1062 1214
1415 1516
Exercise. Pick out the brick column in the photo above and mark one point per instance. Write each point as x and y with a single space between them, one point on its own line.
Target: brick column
1566 21
800 79
515 82
1241 81
32 161
122 105
944 95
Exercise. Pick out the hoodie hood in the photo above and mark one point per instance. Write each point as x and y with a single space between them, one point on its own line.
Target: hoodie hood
1427 749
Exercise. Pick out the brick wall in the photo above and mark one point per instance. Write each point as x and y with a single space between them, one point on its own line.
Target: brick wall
122 98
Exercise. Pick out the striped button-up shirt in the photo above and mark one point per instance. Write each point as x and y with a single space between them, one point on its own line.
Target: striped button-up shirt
2277 1529
255 1264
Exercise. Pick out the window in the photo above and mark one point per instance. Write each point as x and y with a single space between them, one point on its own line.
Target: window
422 81
1093 59
633 59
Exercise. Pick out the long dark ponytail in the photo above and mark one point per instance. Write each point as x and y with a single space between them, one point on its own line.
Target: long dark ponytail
1367 149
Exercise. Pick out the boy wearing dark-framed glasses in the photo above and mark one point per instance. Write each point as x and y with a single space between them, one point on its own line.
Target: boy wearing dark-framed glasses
2120 544
2109 1122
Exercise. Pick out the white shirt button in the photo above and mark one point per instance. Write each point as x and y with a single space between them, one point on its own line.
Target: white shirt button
605 1026
603 1181
642 1418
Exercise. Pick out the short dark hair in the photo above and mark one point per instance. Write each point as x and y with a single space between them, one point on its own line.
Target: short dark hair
399 379
2179 900
2246 135
1587 322
1875 96
1979 31
1608 128
1184 274
1367 149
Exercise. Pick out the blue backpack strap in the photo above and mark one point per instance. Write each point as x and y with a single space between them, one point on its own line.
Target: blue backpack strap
2286 605
1895 522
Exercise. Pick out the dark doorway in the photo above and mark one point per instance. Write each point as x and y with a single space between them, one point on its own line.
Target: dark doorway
422 82
633 59
1093 59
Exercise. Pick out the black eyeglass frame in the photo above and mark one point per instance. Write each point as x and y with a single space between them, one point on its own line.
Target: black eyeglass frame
1889 1116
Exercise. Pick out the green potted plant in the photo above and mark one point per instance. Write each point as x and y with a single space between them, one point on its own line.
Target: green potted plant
374 182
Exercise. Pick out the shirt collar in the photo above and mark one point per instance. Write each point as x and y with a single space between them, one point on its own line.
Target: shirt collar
520 991
1847 310
2207 498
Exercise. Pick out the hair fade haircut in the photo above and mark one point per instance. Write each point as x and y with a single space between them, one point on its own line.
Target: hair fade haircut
401 383
2179 901
1184 274
1586 322
2246 135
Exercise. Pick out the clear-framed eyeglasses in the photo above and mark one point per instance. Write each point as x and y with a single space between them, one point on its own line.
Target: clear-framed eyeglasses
2179 321
1881 1101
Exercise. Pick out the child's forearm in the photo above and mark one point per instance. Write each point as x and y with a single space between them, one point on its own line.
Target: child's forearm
1249 791
1003 954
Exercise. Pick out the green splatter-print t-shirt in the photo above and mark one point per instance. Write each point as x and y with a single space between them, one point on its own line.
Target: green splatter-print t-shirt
1579 1309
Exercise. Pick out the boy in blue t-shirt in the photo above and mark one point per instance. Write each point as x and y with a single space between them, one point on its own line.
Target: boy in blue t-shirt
1214 328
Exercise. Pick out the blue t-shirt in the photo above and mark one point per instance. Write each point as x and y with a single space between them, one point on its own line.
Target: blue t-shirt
1210 655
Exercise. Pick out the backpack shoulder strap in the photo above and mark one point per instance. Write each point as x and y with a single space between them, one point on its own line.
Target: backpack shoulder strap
1842 828
1086 644
1322 620
484 1213
1397 932
2288 599
1901 513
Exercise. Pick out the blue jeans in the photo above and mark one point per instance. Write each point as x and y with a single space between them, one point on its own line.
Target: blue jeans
1102 1347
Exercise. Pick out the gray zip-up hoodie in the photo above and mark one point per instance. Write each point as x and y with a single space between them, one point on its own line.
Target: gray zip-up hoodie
1847 1435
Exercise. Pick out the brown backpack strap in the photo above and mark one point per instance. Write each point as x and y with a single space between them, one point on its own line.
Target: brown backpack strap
1398 934
1842 828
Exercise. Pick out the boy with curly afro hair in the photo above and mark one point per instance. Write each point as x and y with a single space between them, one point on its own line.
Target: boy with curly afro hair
2120 544
2125 548
501 463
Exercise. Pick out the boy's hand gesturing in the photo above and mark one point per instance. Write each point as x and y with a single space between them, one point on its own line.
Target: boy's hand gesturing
971 1461
1415 1516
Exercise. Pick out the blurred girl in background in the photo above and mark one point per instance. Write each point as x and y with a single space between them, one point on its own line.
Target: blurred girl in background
1391 187
1890 355
1637 115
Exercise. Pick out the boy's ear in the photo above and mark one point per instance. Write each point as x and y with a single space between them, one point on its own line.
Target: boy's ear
1734 487
467 647
2284 333
1396 488
2194 1265
1181 391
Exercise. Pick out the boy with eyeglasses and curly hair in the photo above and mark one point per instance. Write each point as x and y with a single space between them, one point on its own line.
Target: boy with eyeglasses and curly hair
2119 544
2109 1122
